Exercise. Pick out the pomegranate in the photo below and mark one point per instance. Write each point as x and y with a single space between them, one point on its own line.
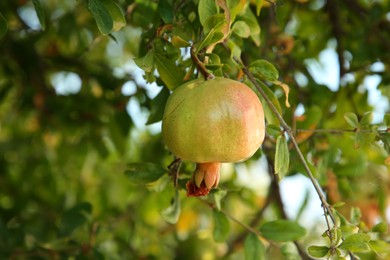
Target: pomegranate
210 122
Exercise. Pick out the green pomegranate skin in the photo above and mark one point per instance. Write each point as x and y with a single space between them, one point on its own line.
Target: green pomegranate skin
218 120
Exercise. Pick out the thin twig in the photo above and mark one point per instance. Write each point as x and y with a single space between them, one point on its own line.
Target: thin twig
254 231
201 67
341 131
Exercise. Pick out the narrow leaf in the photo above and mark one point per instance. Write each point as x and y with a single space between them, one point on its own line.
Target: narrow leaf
116 13
352 119
367 119
157 106
254 248
381 227
282 231
146 62
273 130
282 157
259 5
356 242
264 70
218 196
101 15
171 75
221 226
3 25
172 213
216 22
179 42
40 13
206 8
318 251
142 173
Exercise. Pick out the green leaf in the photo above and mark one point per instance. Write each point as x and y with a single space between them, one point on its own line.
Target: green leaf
172 213
250 19
366 119
259 5
157 106
379 246
102 17
264 70
166 11
116 14
216 22
338 204
241 29
349 229
282 231
282 157
218 196
206 8
381 227
235 7
212 37
221 226
74 218
40 13
142 173
171 75
146 62
254 249
3 25
318 251
351 119
273 130
356 243
179 42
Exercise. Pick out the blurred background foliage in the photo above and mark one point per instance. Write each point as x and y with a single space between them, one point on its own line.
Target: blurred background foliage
79 120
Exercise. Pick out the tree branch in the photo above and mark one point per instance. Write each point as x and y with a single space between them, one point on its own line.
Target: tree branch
201 68
288 130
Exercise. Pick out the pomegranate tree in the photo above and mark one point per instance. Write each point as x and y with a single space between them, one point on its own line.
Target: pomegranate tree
210 122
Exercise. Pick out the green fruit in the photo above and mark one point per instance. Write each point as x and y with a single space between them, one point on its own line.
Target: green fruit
213 121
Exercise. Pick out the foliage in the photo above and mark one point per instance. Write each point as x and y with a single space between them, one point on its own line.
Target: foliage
81 175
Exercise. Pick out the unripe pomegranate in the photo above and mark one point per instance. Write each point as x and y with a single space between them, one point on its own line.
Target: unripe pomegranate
211 122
